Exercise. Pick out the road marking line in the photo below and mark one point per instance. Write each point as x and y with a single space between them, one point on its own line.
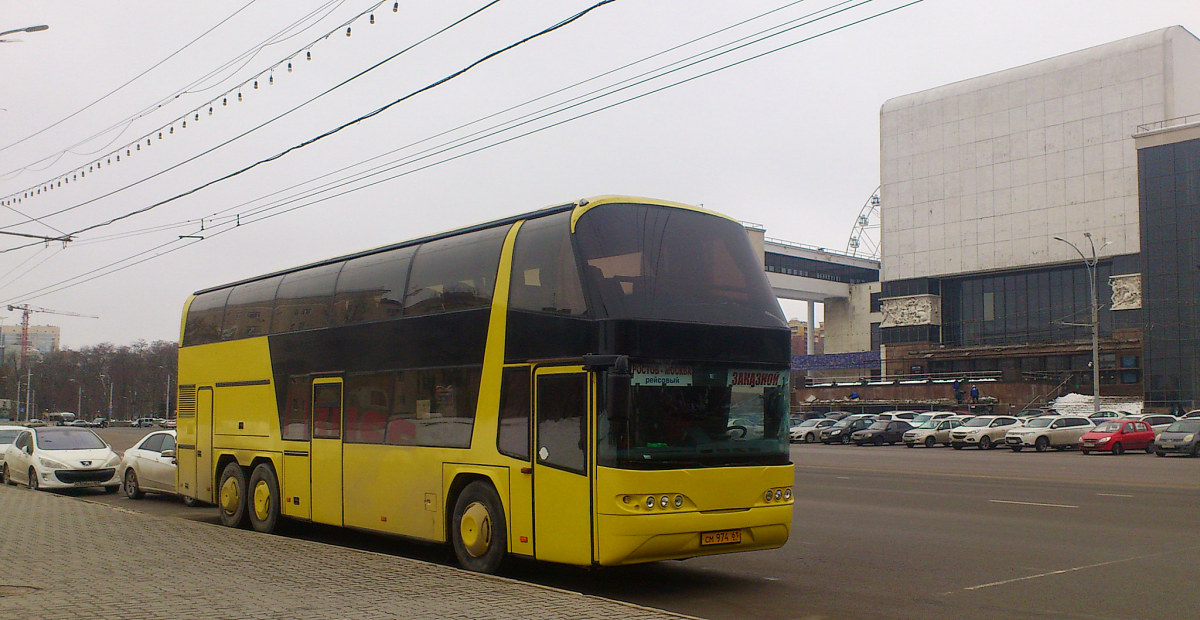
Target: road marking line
1112 495
1070 570
1005 501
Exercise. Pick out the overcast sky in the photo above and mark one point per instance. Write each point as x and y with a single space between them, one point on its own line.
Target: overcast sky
789 140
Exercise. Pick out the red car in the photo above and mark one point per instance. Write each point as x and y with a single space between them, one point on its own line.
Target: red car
1117 436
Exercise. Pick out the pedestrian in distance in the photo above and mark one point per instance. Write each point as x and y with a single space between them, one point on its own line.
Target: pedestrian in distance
974 393
958 391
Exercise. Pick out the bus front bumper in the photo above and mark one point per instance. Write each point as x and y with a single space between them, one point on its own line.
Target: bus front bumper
632 539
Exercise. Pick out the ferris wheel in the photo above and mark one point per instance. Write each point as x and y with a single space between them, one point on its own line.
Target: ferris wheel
864 237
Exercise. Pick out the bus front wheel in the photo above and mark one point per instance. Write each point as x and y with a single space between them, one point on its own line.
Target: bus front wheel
232 495
264 498
478 532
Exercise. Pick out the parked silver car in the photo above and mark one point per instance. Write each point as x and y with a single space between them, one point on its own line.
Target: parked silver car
1051 431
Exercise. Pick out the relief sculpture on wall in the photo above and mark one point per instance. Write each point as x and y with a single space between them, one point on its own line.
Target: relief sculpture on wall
1126 291
913 310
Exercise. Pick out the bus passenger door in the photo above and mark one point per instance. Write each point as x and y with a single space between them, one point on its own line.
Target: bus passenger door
326 455
562 513
205 476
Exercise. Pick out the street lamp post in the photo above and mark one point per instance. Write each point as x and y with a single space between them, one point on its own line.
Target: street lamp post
26 29
1090 264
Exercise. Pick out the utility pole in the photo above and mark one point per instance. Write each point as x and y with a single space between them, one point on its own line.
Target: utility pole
1090 265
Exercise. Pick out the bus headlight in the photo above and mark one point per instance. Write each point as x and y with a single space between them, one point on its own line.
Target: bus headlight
768 495
787 494
664 502
650 503
678 501
778 495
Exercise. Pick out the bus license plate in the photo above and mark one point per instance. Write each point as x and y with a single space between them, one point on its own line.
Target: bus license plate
723 537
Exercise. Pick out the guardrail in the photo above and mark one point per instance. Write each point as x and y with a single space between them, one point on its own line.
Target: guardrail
1178 121
814 248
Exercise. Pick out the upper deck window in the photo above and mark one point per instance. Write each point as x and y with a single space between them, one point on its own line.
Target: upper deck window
661 263
204 317
545 277
455 273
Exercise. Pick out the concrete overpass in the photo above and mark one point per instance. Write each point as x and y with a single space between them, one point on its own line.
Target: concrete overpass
802 272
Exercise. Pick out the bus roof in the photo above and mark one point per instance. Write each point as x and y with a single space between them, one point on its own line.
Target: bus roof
581 206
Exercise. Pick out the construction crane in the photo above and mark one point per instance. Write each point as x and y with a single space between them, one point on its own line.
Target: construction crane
27 310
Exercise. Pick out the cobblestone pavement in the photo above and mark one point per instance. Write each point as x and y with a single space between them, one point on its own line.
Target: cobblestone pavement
65 558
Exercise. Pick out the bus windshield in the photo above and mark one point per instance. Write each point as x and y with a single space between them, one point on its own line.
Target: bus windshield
684 417
657 263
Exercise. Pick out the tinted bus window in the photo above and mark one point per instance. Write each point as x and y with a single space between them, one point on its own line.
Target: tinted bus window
512 438
295 416
248 312
456 273
371 288
303 299
649 262
545 277
203 323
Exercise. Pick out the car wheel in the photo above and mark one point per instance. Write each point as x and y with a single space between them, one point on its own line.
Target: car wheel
4 474
845 440
1118 449
232 496
1158 452
930 442
956 446
33 481
1042 444
909 444
1195 449
879 440
1084 452
477 528
1150 448
810 438
132 489
985 443
264 498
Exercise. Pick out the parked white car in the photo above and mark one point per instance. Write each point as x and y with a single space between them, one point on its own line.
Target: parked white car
931 433
809 430
8 434
61 457
926 416
1051 431
1157 421
985 431
149 466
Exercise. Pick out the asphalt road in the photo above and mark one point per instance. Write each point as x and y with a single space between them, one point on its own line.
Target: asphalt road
892 532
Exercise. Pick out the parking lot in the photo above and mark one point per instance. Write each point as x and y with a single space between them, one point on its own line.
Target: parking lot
896 532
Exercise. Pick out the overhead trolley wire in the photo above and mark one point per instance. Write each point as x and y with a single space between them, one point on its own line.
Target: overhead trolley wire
248 55
252 130
130 81
113 267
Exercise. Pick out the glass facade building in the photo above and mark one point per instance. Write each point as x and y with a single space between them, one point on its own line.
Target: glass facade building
1169 197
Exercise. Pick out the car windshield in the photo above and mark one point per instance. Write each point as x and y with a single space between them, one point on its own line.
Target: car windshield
810 423
929 424
1185 426
691 416
1039 422
879 425
978 422
1108 427
68 439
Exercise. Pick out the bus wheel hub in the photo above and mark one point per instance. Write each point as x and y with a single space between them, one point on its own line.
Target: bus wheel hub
475 529
230 497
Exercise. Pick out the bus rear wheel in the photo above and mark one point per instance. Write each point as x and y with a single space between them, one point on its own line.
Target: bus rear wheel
232 495
478 532
264 498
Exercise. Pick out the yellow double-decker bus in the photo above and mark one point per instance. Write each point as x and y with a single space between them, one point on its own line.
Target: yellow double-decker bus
603 382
